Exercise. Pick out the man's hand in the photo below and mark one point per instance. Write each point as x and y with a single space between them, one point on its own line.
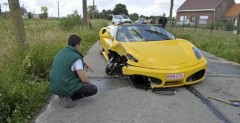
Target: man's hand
88 67
82 76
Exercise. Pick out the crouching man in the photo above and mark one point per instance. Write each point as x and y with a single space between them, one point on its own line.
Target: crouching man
67 78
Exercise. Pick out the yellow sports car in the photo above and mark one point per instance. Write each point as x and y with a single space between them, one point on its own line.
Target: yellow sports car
151 55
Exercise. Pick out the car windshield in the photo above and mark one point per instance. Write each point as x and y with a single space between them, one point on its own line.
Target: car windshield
124 17
136 33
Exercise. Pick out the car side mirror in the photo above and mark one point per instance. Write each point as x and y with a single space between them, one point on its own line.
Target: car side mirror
106 34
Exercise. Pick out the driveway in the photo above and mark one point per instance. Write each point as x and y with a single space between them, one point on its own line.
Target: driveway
118 101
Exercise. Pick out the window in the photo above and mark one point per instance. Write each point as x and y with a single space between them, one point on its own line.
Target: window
203 19
183 18
192 19
116 17
124 17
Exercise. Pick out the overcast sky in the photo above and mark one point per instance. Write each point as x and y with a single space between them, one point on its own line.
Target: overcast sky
142 7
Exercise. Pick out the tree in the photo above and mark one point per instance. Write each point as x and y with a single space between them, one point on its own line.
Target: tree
92 10
23 10
44 9
73 20
120 9
29 14
134 16
44 13
98 15
142 16
170 18
17 24
109 14
104 13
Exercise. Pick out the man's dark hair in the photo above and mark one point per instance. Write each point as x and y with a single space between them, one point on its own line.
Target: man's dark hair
73 40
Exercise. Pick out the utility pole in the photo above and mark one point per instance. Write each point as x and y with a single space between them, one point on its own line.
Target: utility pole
212 17
238 24
212 24
85 13
170 14
58 8
93 10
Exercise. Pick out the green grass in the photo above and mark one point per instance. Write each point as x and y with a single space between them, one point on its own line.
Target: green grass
220 43
24 81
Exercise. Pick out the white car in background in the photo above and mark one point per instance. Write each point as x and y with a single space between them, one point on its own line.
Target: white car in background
141 21
120 19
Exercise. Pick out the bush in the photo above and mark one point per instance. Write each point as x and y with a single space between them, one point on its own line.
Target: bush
71 21
210 26
228 26
21 93
43 16
219 25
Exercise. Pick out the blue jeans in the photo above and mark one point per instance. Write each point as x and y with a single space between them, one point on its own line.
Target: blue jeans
85 91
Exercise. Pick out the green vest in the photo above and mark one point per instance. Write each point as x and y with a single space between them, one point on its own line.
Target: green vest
64 81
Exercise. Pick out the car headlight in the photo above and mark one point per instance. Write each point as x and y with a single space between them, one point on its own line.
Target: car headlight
197 53
130 57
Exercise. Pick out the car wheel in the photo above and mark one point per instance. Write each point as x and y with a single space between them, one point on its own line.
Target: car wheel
110 67
113 67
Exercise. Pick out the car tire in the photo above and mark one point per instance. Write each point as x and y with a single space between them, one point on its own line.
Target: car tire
110 67
113 67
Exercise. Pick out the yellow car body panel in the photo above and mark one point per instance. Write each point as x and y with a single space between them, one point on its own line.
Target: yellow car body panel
157 59
157 54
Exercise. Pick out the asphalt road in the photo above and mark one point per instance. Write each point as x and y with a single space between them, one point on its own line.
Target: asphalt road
118 101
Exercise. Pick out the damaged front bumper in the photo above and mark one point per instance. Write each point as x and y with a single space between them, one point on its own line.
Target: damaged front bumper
160 78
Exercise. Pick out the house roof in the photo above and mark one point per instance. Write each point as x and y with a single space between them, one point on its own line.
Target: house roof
193 5
233 11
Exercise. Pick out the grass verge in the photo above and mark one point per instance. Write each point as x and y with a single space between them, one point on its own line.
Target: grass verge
24 75
220 43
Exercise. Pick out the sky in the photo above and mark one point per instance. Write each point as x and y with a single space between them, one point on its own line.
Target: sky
142 7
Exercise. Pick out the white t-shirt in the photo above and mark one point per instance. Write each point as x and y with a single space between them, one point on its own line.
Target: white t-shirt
77 65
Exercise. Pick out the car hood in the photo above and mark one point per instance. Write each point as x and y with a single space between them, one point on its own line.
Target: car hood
170 54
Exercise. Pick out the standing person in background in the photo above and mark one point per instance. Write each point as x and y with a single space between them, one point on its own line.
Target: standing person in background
162 20
67 78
